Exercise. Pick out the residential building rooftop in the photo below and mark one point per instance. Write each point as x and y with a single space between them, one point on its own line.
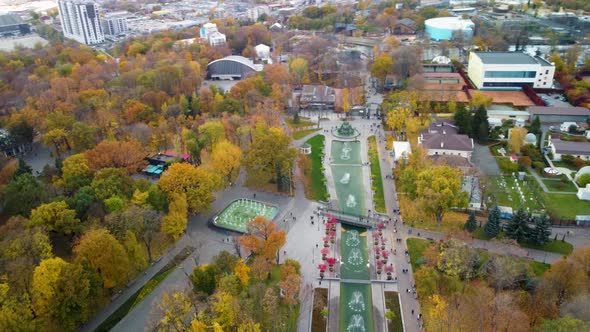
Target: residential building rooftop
572 148
550 110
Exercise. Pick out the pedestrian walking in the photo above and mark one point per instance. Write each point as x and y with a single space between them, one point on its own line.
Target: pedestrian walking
412 312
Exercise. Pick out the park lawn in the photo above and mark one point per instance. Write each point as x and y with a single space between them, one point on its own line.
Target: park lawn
556 246
566 206
302 133
315 179
558 185
559 163
302 123
378 196
417 247
392 304
413 215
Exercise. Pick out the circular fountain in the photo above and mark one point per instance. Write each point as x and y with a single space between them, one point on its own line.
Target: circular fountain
345 130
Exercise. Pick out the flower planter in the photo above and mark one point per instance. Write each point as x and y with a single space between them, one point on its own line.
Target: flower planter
331 269
332 240
324 257
378 271
326 245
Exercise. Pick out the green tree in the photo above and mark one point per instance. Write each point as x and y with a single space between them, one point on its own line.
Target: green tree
22 194
471 223
493 226
438 189
276 167
463 121
382 67
583 180
517 227
22 168
203 278
82 201
55 216
83 136
114 204
563 324
213 133
109 182
75 172
480 126
542 231
535 127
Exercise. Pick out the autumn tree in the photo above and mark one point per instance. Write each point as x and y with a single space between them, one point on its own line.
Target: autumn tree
225 160
174 223
55 216
298 68
382 67
128 155
105 254
242 271
439 189
263 238
75 172
276 167
45 278
213 133
170 314
194 182
109 182
516 138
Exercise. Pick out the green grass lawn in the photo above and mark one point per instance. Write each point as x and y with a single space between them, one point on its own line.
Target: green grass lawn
417 247
392 304
558 185
559 163
566 206
302 133
316 180
378 196
539 268
302 123
556 246
501 187
135 299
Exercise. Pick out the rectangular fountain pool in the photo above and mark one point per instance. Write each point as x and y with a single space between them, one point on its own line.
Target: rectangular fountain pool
240 212
356 308
346 153
348 181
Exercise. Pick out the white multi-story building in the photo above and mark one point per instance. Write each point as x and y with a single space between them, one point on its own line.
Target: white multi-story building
80 21
509 70
255 12
214 37
114 23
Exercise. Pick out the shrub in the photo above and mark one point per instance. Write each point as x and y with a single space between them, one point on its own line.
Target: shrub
568 159
583 180
525 161
506 166
538 165
579 163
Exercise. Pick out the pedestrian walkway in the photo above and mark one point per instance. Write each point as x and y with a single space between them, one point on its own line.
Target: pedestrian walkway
544 187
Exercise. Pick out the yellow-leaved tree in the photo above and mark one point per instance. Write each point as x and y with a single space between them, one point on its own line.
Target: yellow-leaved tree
45 277
106 255
226 159
197 184
242 271
174 223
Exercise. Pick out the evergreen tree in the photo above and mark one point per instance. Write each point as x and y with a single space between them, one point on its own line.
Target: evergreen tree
535 126
463 120
517 227
22 168
471 223
542 231
480 126
493 227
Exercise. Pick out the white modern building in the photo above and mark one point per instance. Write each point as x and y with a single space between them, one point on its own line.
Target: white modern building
114 24
401 150
214 37
509 70
80 21
496 117
254 13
